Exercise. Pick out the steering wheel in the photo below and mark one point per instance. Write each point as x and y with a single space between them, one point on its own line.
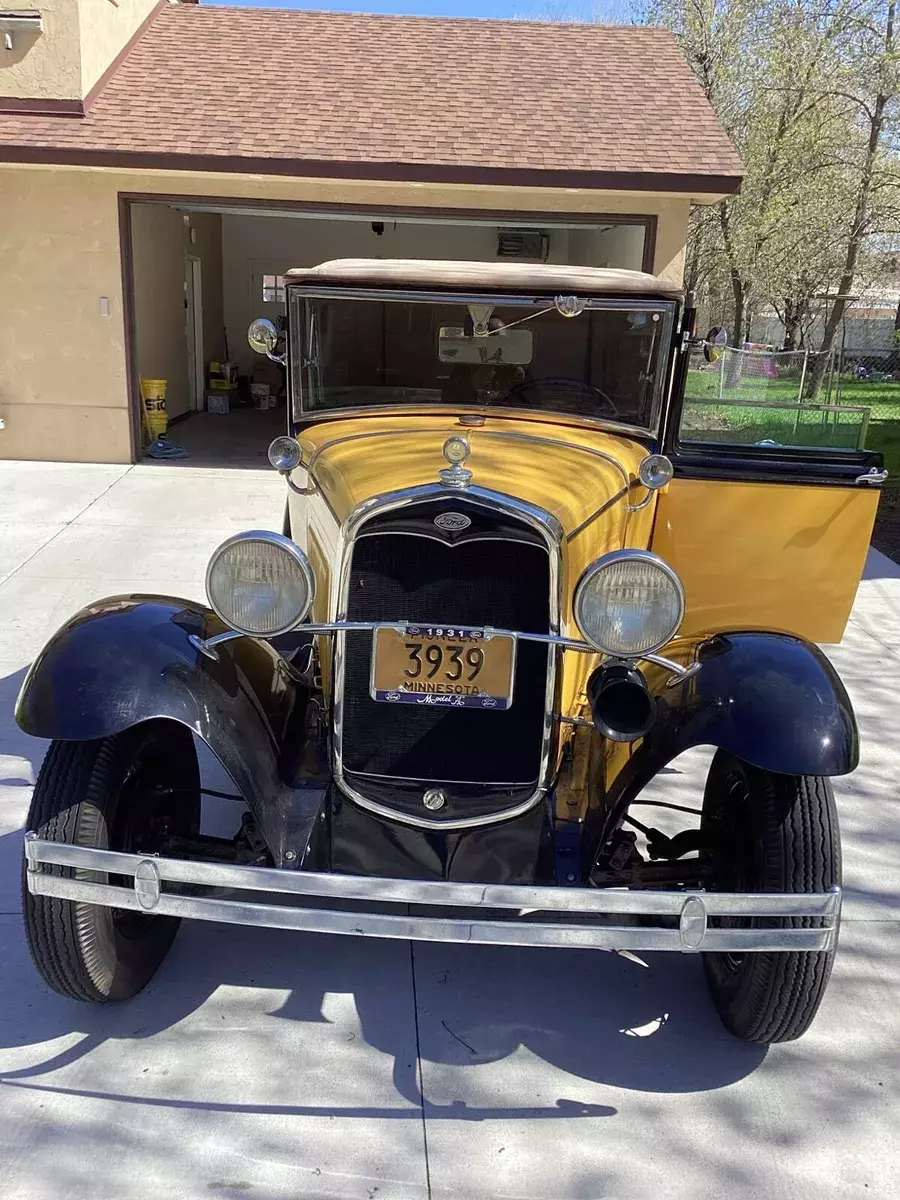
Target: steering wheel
551 381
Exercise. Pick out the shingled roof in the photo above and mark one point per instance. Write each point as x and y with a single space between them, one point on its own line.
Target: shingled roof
292 92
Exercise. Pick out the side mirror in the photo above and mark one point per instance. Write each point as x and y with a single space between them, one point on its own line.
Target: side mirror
263 338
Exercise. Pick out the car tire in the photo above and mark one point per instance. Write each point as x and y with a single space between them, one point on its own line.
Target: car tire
773 833
121 793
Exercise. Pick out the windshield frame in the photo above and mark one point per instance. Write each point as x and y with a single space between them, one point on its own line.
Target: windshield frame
300 336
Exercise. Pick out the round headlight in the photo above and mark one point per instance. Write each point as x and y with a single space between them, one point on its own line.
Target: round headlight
260 583
629 603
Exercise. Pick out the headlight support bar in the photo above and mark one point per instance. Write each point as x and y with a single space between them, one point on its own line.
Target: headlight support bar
679 673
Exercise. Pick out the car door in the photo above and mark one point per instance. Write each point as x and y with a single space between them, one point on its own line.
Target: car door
769 515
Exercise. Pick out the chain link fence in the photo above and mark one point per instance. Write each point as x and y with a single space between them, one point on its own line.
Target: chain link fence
767 397
871 379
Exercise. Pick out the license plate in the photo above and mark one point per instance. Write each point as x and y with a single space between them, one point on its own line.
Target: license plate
442 666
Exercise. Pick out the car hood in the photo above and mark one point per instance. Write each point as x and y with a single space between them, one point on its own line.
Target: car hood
567 470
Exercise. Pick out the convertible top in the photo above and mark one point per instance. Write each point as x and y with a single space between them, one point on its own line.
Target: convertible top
507 276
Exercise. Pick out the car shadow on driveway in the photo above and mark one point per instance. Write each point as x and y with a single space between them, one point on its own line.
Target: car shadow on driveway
604 1018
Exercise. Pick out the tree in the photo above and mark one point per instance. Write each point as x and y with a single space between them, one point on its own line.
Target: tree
761 64
808 91
869 84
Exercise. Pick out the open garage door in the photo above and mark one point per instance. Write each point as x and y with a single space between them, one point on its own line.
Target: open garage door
200 271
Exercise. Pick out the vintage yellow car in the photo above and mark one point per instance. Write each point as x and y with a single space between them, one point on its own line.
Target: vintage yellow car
511 587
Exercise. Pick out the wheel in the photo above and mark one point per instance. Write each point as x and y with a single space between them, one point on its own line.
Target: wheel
126 793
773 833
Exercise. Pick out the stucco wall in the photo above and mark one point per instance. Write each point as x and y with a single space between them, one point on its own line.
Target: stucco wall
45 66
104 28
63 390
80 39
62 365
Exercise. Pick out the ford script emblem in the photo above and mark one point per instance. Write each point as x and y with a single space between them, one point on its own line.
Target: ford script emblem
452 522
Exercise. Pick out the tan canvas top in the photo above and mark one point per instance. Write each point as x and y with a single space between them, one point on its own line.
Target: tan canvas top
508 276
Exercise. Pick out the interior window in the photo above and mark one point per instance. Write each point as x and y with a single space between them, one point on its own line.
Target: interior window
273 289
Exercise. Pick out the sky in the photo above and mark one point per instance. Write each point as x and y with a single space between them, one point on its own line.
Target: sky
571 10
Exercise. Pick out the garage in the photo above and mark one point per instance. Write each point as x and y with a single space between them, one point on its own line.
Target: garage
199 271
148 164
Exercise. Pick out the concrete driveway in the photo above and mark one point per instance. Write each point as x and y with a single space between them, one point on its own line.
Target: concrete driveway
275 1065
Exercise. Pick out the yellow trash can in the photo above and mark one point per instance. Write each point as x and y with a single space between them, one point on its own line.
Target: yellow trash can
154 393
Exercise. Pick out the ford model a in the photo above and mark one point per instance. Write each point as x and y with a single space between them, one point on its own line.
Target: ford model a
518 576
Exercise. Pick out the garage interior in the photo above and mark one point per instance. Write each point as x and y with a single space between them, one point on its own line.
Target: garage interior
202 271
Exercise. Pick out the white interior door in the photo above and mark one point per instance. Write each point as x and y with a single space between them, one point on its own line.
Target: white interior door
193 329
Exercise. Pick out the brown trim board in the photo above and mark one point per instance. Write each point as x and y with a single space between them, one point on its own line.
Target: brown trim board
126 257
34 106
627 181
648 263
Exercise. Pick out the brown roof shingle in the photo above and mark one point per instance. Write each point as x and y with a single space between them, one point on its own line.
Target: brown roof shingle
286 91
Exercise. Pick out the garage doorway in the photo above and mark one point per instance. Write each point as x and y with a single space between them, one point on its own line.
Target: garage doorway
198 271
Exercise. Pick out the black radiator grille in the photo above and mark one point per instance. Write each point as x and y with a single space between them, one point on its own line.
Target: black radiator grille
485 580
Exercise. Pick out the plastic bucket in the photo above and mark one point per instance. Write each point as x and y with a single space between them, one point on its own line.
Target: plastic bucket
157 421
154 389
154 392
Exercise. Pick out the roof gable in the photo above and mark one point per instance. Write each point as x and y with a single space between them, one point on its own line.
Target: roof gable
292 91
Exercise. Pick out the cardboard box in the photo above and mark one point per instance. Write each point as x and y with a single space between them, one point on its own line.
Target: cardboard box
259 389
218 402
226 371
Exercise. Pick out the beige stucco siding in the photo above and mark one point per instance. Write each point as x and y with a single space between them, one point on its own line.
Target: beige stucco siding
46 65
63 387
104 28
62 365
79 40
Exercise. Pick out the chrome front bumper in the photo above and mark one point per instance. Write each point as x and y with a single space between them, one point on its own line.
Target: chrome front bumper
681 918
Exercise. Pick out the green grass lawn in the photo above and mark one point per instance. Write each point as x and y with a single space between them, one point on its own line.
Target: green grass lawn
705 384
730 420
885 436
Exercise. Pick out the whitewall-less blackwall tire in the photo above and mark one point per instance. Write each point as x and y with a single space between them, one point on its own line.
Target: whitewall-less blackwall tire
774 833
117 793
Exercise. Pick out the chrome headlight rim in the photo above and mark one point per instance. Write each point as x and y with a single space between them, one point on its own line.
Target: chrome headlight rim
283 543
607 560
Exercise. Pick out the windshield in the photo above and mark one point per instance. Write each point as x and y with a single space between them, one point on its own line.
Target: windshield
607 363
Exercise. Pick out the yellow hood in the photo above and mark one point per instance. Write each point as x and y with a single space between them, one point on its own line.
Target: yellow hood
559 468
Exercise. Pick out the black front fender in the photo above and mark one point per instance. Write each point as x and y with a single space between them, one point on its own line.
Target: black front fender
771 699
129 659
